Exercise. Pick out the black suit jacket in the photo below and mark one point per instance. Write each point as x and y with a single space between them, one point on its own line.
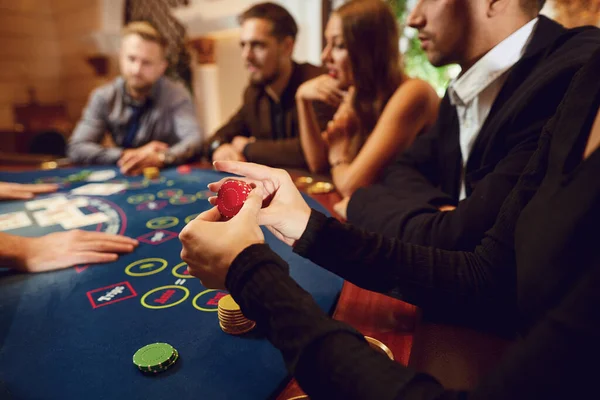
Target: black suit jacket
253 119
405 203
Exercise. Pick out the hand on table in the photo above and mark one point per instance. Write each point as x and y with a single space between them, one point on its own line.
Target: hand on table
66 249
227 152
322 88
133 161
20 191
210 245
287 214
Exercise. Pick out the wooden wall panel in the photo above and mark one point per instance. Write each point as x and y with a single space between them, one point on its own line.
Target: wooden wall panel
26 25
66 6
38 7
80 21
44 45
6 119
12 69
29 55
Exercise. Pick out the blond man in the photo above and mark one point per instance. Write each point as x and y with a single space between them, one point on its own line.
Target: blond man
150 117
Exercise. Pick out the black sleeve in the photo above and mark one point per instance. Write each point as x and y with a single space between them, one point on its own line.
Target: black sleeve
328 358
331 360
412 179
558 358
441 280
236 126
413 215
286 153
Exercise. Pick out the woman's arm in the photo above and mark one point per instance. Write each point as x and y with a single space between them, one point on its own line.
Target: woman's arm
322 88
410 110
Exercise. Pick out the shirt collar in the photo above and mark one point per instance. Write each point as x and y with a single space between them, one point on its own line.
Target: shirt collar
289 92
491 66
151 97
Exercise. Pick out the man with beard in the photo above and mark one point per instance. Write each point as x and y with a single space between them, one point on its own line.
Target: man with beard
446 190
150 117
265 129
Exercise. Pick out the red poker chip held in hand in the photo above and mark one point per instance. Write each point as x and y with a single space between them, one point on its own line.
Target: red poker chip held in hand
231 197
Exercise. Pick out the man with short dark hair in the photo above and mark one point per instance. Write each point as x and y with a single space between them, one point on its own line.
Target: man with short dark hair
151 118
265 128
447 189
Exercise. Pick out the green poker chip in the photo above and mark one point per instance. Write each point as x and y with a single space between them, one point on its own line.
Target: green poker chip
163 366
155 356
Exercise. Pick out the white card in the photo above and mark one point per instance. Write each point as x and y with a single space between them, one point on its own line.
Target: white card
75 202
99 189
14 220
99 176
45 203
90 219
55 216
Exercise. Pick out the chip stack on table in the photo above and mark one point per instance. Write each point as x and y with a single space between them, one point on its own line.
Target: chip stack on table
231 197
151 173
155 357
231 319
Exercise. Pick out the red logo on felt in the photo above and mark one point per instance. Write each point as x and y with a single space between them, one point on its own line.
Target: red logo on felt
111 294
215 300
152 205
157 237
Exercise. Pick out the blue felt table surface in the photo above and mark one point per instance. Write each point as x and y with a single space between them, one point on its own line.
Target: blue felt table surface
71 334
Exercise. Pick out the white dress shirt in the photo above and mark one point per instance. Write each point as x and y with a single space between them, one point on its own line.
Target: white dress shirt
474 92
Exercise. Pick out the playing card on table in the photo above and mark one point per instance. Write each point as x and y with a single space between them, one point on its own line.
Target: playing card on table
57 215
14 220
90 219
99 176
46 202
99 189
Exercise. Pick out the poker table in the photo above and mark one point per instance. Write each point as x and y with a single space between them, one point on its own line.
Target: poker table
58 339
71 334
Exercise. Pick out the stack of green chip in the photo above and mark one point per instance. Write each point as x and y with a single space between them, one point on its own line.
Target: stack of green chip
155 357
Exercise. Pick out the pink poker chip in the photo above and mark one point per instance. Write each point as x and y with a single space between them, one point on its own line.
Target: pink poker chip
231 197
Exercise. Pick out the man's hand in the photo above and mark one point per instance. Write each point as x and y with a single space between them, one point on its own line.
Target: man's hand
210 246
133 161
287 214
137 162
19 191
154 147
240 142
65 249
226 152
322 88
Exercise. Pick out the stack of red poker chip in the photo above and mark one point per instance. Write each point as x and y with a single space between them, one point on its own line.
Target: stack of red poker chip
231 197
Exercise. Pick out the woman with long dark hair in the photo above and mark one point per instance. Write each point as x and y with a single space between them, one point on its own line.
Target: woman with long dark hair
380 109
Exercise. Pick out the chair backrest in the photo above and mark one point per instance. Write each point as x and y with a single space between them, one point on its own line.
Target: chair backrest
48 142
